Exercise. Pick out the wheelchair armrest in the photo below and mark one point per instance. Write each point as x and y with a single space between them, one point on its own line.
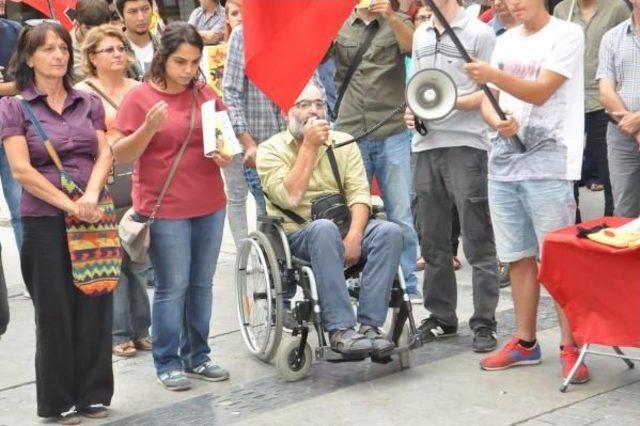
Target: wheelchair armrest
300 262
271 220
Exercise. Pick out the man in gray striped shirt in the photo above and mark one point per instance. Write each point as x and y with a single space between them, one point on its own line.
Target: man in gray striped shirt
209 20
619 82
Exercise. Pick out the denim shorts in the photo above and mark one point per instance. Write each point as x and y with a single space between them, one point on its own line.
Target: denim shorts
523 212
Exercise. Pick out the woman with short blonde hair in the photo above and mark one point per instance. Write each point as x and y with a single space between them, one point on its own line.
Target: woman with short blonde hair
105 55
92 42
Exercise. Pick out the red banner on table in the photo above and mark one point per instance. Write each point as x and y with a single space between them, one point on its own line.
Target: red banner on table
285 40
597 286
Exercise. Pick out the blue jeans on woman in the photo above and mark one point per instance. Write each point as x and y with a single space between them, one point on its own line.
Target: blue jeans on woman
131 311
184 254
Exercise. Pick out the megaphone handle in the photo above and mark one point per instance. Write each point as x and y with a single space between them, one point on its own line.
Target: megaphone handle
420 127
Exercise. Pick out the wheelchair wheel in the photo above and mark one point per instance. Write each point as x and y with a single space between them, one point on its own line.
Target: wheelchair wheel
292 365
405 357
259 296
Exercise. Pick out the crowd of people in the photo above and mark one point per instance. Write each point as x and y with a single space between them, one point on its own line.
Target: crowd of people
120 102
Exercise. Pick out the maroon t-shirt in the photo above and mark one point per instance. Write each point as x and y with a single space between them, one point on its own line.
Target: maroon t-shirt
197 187
72 133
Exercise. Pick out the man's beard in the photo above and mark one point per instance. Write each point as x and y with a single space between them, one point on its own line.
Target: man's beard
296 127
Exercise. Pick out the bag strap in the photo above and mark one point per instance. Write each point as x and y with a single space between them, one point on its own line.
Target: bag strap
43 135
102 94
176 160
290 214
336 174
371 31
335 170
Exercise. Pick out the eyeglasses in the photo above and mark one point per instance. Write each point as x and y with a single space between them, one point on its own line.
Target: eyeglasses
422 18
36 22
111 50
306 104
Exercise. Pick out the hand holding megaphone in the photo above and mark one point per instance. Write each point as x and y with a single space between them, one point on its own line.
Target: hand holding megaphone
409 119
316 131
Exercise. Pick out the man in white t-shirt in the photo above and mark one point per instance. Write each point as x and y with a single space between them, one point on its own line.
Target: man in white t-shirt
537 73
136 16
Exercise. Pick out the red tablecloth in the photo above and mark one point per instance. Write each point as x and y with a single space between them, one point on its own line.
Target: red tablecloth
597 286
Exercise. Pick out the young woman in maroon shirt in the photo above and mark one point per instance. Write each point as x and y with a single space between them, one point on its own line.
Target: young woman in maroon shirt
151 125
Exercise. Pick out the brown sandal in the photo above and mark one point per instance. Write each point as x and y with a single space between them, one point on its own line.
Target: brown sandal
143 344
125 350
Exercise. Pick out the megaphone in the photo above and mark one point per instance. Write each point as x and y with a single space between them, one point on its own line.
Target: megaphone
431 94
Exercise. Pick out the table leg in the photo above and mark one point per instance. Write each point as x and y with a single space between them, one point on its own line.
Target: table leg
627 361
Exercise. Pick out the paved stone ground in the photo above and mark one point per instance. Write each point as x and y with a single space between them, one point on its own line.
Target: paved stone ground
444 386
616 407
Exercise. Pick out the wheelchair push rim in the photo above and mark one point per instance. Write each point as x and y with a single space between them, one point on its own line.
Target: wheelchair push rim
259 296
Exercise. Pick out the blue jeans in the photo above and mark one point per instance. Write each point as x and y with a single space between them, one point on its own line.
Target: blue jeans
523 212
184 254
253 180
321 244
12 192
389 159
131 310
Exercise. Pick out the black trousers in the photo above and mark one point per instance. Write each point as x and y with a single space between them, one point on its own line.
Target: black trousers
595 125
73 331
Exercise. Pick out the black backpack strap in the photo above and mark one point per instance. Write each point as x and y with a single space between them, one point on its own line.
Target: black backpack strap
336 172
371 31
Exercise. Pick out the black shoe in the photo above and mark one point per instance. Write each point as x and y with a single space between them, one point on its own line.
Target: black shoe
503 275
484 340
432 329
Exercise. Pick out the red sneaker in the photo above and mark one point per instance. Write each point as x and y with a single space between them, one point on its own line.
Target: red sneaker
568 358
512 354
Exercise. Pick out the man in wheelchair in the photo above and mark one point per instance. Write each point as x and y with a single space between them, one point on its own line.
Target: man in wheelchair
296 172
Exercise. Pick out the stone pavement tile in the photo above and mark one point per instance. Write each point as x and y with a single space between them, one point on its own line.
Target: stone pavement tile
271 392
454 391
614 407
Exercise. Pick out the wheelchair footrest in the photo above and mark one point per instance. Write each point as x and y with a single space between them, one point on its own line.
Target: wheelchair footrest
325 353
381 360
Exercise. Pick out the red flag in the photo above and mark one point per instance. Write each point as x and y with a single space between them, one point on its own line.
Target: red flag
285 40
61 8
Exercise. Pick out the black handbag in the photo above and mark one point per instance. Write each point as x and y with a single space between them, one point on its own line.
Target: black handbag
119 180
331 206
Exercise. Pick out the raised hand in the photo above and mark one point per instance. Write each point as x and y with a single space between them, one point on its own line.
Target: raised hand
156 116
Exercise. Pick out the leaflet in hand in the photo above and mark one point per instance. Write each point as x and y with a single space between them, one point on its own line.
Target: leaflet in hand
218 134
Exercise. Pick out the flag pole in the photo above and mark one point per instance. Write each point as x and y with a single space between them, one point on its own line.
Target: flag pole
52 13
492 99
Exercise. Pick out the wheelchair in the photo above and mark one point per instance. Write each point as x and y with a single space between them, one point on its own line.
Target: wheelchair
266 269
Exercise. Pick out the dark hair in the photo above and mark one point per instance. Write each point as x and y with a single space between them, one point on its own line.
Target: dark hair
92 13
120 5
30 39
175 34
